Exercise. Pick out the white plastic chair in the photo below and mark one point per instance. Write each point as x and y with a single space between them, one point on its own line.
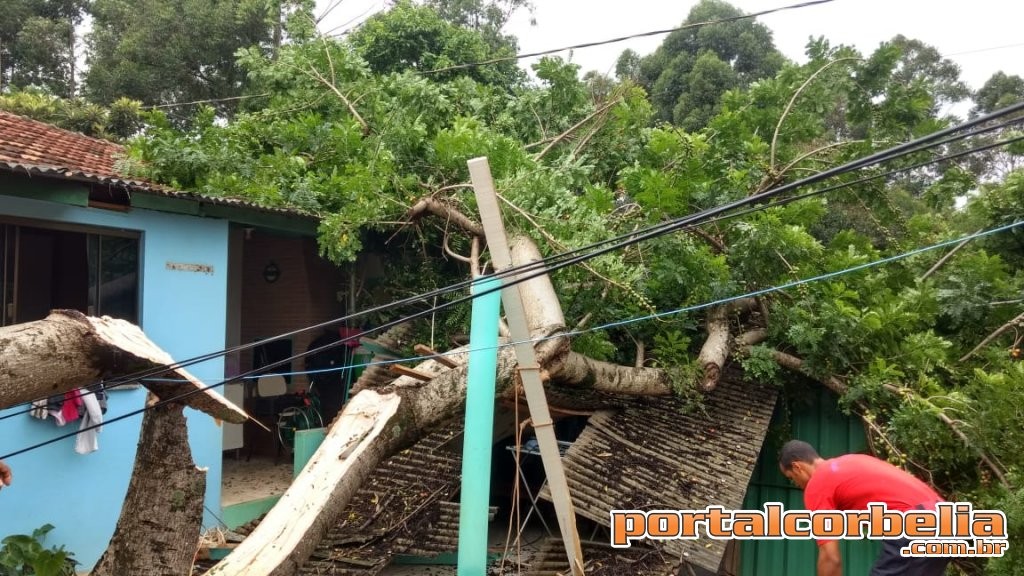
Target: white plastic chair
273 385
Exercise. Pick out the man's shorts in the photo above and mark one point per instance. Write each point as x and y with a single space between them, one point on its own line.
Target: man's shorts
891 563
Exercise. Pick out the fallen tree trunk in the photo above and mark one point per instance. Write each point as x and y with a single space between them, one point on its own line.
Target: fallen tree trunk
373 425
583 372
158 531
379 422
69 350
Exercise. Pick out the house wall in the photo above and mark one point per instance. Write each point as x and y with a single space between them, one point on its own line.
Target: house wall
304 294
182 312
814 418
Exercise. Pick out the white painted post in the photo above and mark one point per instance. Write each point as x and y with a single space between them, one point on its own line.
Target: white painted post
529 370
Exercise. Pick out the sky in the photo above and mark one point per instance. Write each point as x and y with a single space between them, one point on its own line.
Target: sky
982 36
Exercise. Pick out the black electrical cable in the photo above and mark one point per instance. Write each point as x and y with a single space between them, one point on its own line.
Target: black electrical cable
629 37
917 145
431 310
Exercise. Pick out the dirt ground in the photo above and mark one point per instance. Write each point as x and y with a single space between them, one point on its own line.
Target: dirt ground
254 479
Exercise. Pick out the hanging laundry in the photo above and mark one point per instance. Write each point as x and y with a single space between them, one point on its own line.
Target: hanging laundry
39 409
71 410
55 405
87 441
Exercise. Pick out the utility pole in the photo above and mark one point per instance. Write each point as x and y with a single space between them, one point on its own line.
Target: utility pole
529 370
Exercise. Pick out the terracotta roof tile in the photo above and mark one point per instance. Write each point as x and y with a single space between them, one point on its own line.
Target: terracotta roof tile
26 141
33 147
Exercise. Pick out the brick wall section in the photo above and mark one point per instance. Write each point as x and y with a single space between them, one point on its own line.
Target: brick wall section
304 294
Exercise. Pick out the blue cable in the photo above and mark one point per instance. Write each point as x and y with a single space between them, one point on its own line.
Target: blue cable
656 315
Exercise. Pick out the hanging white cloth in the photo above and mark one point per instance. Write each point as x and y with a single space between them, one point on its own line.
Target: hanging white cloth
88 441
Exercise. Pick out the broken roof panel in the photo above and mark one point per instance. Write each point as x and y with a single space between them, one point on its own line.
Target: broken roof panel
654 455
402 507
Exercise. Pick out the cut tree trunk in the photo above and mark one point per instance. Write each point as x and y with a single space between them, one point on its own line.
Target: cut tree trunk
69 350
158 531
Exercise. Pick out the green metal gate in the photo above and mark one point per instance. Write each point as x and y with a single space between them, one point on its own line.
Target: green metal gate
814 418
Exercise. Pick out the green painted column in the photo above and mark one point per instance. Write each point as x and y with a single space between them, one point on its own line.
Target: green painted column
478 437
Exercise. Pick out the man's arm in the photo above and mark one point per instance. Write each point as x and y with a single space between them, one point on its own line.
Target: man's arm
5 474
829 561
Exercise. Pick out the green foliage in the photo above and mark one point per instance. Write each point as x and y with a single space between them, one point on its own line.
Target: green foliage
999 91
36 44
760 365
693 67
174 52
120 120
24 555
357 133
419 38
1011 502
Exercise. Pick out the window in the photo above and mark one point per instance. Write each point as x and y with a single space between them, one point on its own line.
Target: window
89 270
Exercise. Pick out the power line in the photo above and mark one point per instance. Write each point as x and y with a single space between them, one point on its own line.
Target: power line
917 145
370 10
906 146
608 326
978 50
209 101
630 37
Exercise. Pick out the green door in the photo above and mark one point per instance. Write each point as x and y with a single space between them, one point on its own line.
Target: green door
814 418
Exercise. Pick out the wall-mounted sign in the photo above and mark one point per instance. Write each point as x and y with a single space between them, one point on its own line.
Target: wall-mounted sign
183 267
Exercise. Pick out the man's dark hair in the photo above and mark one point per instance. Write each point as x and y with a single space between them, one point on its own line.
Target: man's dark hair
796 451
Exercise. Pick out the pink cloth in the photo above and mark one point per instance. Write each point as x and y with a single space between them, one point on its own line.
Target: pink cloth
72 402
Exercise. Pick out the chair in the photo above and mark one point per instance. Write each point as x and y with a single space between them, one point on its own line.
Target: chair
267 401
270 386
532 448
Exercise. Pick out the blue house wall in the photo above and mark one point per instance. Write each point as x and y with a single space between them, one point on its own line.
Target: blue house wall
184 313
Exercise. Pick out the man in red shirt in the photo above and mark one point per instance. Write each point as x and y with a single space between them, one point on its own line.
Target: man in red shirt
851 482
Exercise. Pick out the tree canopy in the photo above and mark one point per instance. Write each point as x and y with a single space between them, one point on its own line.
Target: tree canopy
37 44
687 75
923 348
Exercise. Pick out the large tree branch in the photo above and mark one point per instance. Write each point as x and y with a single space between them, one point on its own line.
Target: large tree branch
999 332
438 208
69 350
718 345
579 371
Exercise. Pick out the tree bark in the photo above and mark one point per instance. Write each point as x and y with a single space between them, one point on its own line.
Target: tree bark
718 345
444 212
69 350
582 372
372 426
158 531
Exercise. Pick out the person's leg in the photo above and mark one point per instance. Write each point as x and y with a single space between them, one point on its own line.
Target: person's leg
891 563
